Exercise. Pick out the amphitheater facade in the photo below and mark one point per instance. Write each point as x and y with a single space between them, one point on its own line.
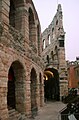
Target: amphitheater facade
26 60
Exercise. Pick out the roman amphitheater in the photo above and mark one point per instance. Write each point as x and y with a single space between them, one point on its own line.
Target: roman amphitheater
32 64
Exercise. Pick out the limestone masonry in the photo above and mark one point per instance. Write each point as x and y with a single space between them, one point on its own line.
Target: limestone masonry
27 58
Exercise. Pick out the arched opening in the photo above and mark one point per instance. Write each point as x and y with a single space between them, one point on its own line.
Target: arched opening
32 31
47 58
51 84
16 13
16 87
11 90
44 44
56 22
33 86
12 13
56 50
52 55
49 41
52 32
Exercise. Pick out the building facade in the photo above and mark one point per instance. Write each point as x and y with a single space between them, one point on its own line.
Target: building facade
21 68
53 54
32 68
73 74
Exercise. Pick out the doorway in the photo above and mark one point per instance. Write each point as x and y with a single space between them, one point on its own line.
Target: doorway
16 93
11 89
51 85
33 86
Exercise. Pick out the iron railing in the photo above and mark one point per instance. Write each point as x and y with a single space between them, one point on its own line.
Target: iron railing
68 116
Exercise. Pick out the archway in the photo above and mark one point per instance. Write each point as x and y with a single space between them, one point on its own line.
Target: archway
15 16
12 13
16 87
11 89
32 35
51 84
32 31
33 92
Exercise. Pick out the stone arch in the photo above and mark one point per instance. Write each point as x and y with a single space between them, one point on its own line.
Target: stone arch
33 86
16 84
49 39
52 55
15 14
51 84
56 49
47 58
31 16
12 13
32 30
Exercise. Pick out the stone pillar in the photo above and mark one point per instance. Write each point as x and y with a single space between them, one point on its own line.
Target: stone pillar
62 73
63 88
28 97
37 92
42 96
42 92
3 98
4 13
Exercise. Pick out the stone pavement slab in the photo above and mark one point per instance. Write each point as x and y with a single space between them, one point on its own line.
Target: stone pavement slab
50 111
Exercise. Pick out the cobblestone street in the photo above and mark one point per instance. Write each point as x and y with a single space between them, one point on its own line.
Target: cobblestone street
50 111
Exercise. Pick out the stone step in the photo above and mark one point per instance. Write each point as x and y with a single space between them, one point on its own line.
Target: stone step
15 115
11 111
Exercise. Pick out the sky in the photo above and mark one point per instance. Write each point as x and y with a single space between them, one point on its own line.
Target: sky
46 10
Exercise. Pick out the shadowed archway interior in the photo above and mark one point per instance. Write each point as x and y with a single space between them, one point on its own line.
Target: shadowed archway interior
51 84
11 89
33 86
16 86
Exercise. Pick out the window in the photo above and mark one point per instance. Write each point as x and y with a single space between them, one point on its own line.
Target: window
52 32
52 29
52 55
61 78
48 58
61 43
77 58
44 44
49 39
62 68
57 22
77 72
56 50
12 13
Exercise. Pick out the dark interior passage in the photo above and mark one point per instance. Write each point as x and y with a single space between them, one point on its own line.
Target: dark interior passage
51 84
33 86
11 89
16 85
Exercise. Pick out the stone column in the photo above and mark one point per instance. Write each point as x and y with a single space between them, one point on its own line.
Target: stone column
3 98
28 96
37 92
42 92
